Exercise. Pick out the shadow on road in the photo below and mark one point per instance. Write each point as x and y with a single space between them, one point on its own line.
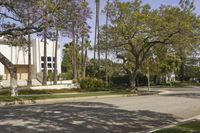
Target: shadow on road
78 117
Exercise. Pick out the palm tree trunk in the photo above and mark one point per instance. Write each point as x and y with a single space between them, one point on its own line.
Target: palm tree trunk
74 54
45 58
29 53
82 55
84 62
13 74
106 51
98 44
29 61
95 36
55 77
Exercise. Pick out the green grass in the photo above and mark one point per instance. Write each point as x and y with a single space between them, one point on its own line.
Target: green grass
5 98
191 127
28 94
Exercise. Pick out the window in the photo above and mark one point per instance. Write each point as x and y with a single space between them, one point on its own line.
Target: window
49 65
48 58
53 65
42 58
54 58
42 65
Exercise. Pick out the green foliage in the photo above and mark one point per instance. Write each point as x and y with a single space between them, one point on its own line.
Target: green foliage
50 76
92 84
136 31
120 80
113 69
1 77
66 65
65 76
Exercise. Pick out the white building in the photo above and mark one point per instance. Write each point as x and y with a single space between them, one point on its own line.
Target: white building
18 55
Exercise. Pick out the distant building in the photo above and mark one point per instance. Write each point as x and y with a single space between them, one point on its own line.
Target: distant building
18 55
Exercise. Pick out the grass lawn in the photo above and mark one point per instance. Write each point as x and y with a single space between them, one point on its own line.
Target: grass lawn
28 94
7 98
191 127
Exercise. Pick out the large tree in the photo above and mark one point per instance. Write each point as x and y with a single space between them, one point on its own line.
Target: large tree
12 26
136 29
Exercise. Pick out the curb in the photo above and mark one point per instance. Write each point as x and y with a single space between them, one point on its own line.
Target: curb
58 100
197 117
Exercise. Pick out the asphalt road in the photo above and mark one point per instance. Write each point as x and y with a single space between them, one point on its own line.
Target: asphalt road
102 115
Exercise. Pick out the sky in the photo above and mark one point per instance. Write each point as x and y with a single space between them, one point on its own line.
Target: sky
153 3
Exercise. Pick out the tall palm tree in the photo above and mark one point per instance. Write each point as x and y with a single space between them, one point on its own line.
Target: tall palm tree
98 44
44 82
74 55
96 36
55 77
29 52
106 51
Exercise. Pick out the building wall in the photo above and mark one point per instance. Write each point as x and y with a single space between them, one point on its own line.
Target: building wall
22 72
19 57
39 54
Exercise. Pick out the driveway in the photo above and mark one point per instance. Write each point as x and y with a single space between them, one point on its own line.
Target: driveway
102 115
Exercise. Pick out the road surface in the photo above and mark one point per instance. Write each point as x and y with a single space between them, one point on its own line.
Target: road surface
102 115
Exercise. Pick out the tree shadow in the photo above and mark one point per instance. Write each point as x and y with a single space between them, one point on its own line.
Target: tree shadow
79 117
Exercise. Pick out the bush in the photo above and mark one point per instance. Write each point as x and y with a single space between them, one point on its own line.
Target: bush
50 76
65 76
92 84
120 81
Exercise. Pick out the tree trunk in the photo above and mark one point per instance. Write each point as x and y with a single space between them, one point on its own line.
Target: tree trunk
13 74
29 61
133 81
106 51
76 59
82 56
148 79
98 44
45 58
95 38
55 76
84 62
29 51
74 54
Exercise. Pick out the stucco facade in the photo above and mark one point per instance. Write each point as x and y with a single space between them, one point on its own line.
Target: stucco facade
18 55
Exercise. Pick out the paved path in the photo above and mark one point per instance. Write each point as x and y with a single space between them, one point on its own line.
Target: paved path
102 115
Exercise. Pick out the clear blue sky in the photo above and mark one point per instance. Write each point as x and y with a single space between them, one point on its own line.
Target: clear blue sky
153 3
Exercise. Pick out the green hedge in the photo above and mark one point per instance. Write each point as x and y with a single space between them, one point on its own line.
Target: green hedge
92 84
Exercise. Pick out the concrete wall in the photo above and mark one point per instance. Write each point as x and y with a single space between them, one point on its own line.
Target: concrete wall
39 53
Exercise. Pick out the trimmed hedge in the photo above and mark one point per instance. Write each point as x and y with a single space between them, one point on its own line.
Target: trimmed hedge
92 84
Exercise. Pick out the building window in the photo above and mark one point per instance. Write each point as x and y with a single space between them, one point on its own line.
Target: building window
42 65
48 58
53 65
49 65
42 58
54 59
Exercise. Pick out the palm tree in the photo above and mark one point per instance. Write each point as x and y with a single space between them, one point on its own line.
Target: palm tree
44 82
96 38
55 77
98 44
106 50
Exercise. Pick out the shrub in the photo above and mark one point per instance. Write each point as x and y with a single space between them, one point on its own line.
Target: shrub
65 76
50 76
92 84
